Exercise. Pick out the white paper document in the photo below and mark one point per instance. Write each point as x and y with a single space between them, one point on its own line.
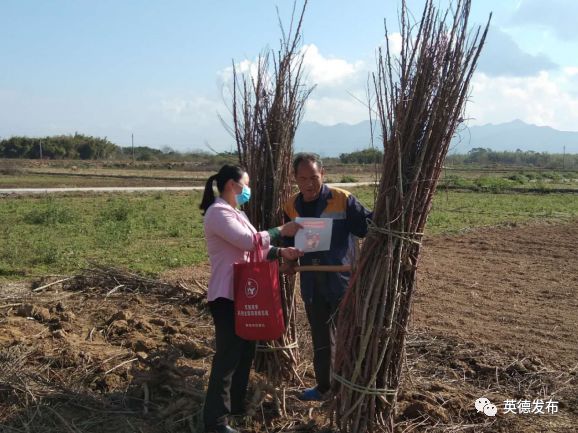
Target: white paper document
315 234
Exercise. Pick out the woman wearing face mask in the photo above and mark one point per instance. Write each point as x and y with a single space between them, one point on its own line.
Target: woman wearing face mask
230 236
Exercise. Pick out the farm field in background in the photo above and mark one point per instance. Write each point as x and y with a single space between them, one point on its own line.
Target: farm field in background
158 231
29 173
60 174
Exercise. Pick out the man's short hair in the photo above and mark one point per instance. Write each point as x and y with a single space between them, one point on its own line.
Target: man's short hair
309 157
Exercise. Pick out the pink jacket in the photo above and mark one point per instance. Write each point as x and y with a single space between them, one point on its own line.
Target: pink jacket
230 236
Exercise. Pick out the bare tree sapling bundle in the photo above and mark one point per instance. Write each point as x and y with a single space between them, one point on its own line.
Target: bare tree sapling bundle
268 102
420 97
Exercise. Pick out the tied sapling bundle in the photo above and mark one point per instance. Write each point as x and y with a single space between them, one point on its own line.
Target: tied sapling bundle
420 97
268 102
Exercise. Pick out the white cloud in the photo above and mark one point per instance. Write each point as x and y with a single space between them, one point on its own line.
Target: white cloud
328 71
332 110
325 72
545 99
331 102
395 42
249 67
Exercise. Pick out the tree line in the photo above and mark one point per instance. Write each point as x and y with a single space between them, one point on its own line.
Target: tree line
85 147
481 157
488 158
80 146
75 146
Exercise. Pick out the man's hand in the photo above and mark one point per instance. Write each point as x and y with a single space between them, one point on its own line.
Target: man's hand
290 229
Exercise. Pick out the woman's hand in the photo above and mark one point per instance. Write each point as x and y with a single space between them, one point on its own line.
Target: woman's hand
291 253
289 229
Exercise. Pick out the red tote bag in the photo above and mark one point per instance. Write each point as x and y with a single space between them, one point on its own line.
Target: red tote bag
258 309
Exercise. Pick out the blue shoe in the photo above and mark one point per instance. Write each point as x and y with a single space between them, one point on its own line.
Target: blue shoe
311 394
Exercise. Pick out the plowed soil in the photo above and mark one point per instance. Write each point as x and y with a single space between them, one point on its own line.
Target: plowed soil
505 303
495 316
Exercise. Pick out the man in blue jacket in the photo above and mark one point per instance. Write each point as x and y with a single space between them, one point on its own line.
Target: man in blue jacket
322 291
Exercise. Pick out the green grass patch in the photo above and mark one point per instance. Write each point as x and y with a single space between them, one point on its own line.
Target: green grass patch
513 180
147 233
151 233
455 211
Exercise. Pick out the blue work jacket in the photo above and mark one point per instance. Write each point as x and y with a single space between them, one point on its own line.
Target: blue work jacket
349 221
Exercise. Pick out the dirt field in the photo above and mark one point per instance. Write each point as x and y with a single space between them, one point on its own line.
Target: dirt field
495 316
502 306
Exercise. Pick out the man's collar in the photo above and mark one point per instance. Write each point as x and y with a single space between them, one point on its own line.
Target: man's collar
324 195
325 192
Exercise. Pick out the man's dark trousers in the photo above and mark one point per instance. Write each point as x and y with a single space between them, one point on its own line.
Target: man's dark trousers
322 316
230 368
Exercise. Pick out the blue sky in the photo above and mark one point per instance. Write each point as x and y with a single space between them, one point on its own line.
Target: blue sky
160 69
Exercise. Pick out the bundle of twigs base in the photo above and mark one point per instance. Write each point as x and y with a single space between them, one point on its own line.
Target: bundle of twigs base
267 108
113 279
420 97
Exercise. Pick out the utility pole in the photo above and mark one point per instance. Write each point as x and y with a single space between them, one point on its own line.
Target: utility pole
40 148
132 141
564 159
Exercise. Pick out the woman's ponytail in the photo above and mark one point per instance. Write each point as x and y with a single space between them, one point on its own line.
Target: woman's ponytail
208 195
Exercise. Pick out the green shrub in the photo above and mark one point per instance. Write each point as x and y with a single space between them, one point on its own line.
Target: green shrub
455 181
348 179
552 175
518 178
116 211
49 214
492 184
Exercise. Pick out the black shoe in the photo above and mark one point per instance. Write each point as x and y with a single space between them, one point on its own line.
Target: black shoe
222 429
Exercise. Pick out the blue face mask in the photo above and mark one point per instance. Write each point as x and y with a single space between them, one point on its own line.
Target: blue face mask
244 196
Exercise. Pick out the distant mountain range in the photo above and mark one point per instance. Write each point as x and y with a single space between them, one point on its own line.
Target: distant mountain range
345 138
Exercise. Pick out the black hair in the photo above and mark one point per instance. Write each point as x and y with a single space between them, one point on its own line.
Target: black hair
226 173
309 157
